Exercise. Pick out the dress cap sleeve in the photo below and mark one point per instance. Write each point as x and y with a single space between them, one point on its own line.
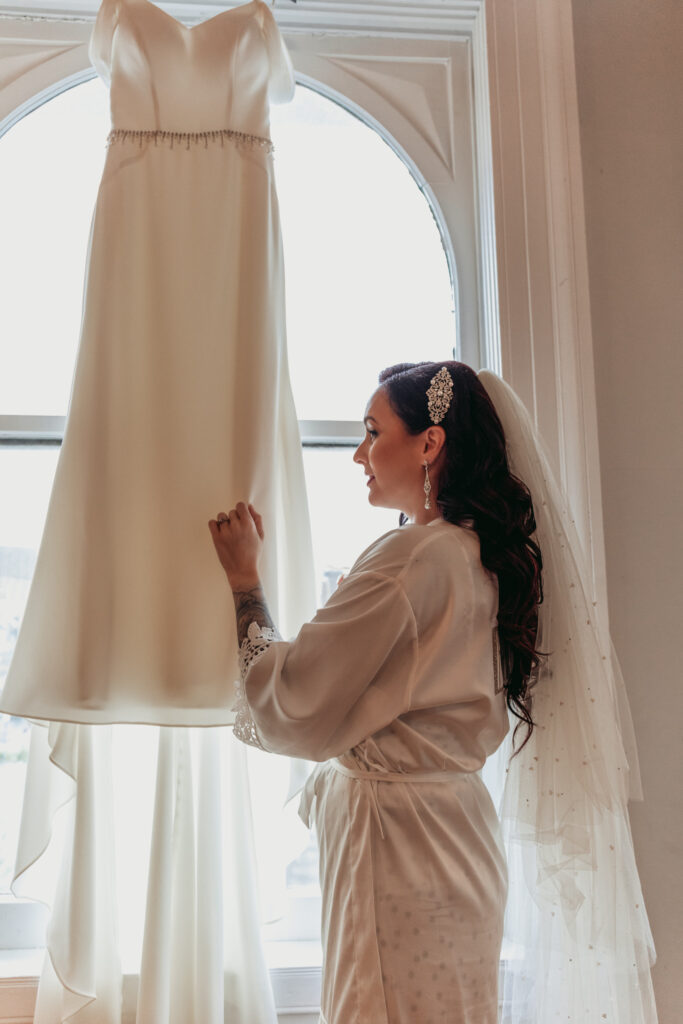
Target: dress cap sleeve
101 38
282 84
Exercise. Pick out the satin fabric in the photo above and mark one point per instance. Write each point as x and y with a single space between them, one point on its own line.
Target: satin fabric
395 679
181 403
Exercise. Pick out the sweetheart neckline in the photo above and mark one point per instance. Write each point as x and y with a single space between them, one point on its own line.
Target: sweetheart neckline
191 28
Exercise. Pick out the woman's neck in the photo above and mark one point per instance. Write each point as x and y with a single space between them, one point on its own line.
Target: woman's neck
424 517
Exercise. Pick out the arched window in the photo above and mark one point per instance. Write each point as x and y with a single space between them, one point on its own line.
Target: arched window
425 76
368 284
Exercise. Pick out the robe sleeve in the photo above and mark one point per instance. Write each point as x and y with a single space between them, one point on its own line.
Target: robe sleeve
281 84
348 673
101 38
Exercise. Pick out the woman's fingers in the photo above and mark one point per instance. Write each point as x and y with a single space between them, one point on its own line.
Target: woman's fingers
240 514
238 539
215 530
258 520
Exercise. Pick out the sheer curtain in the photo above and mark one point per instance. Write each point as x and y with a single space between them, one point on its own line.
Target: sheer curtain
139 840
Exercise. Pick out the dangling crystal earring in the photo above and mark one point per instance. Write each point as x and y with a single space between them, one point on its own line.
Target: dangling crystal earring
428 486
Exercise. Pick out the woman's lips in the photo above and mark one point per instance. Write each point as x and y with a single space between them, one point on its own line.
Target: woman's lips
370 479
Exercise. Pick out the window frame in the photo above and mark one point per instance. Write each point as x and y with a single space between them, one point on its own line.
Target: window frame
296 985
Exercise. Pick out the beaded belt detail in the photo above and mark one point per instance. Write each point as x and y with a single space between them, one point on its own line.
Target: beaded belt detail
189 138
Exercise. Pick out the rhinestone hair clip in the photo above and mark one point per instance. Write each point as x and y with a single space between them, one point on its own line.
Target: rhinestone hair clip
439 395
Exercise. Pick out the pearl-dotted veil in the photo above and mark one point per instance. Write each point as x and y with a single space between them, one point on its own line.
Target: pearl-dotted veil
578 944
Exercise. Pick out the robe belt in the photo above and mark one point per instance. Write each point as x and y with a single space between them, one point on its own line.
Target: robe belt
369 781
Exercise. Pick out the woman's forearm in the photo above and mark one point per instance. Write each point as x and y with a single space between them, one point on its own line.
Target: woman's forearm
250 606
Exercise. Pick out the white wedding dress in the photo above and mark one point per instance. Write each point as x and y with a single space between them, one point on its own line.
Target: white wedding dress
138 839
181 403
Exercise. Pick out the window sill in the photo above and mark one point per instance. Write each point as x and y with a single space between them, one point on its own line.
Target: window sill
20 964
294 974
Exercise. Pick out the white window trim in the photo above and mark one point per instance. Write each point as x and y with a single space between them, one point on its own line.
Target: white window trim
37 429
296 990
32 429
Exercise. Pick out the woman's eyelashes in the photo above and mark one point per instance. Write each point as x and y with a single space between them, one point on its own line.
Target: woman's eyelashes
372 433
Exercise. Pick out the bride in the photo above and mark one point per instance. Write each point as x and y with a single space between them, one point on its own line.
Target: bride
476 608
399 687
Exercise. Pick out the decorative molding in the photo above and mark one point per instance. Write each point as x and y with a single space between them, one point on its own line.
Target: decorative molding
483 173
20 57
425 77
34 63
424 19
376 79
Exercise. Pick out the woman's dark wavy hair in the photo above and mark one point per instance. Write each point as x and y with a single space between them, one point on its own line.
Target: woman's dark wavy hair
478 491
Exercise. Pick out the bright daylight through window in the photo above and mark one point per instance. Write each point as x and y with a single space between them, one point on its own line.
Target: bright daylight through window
368 285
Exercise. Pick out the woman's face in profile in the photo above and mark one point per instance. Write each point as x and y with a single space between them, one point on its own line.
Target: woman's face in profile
390 457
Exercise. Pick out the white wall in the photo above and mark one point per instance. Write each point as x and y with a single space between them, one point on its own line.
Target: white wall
630 84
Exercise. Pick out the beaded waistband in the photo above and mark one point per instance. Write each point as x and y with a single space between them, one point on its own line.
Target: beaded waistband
188 138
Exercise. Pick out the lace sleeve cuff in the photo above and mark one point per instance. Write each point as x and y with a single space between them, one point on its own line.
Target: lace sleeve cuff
255 644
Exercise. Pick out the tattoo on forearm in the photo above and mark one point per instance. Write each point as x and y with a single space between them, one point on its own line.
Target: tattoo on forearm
250 606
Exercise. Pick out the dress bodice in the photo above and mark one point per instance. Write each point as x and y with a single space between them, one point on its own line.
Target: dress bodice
219 74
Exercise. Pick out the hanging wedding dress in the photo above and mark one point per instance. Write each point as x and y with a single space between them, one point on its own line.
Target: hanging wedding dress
138 838
181 402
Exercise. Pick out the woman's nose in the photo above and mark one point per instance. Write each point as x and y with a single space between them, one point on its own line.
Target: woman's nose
359 454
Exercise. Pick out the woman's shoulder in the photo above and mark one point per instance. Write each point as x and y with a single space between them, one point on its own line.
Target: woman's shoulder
394 553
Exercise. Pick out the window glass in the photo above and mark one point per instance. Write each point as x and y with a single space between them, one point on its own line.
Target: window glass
50 166
343 522
367 278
